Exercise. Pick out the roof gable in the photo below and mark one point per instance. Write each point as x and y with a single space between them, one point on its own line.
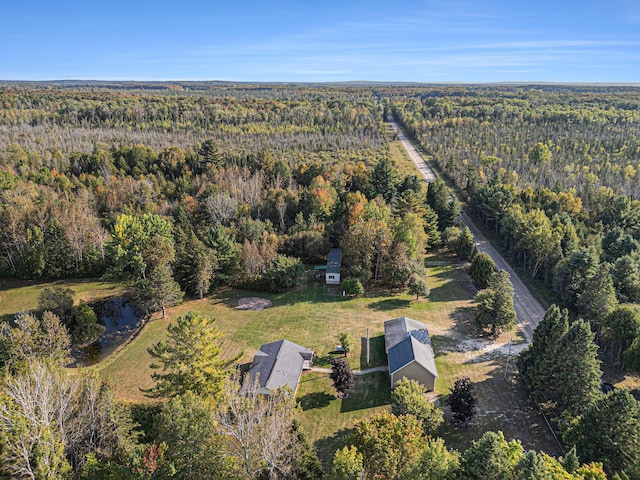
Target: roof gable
334 260
407 341
397 329
279 363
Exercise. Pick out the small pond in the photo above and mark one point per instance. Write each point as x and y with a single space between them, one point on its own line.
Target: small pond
121 319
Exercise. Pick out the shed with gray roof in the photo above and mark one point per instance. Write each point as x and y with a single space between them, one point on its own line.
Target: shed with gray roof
334 261
409 352
280 363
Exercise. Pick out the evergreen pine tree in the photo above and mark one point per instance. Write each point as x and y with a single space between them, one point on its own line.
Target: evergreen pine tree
58 254
546 339
574 375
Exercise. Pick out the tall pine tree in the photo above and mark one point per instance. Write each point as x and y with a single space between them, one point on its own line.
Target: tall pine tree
546 340
571 378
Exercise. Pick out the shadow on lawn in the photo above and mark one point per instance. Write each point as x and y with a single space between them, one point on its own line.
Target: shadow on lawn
370 391
389 304
315 400
503 403
377 355
463 318
325 447
314 292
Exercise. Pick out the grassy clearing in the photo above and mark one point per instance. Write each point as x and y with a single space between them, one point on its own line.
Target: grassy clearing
503 404
313 316
310 316
22 295
403 163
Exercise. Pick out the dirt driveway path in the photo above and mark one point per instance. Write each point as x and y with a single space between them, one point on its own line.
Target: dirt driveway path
529 310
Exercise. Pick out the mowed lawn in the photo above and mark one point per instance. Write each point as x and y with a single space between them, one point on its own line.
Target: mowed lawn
22 295
311 316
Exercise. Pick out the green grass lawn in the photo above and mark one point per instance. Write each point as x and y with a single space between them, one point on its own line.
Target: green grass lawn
22 295
310 316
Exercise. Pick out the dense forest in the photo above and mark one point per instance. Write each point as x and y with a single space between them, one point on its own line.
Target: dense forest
180 189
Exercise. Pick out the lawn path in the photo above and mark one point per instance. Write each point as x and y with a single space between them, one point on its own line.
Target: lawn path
528 309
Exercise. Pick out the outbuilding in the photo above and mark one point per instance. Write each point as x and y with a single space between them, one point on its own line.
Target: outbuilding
409 351
334 261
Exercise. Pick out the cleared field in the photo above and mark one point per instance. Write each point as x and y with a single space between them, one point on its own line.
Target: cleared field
22 295
311 316
403 163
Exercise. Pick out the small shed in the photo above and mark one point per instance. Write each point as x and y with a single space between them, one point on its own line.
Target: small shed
409 352
280 363
334 260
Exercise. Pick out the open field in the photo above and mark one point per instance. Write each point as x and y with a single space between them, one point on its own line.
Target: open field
318 402
310 316
399 155
21 295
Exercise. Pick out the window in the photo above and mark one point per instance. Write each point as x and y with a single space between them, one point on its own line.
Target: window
332 277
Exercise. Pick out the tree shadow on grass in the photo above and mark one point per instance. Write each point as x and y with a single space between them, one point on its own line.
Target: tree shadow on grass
503 403
307 293
315 400
464 320
326 446
389 304
377 355
370 391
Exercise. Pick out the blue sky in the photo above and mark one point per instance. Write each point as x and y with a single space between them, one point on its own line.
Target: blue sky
310 40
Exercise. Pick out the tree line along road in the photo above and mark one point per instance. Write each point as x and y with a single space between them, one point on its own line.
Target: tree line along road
528 309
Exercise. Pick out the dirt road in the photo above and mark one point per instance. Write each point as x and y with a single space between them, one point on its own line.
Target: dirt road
528 309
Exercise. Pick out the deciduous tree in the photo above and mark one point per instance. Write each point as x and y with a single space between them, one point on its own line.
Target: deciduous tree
491 458
462 401
257 429
347 464
435 462
408 398
187 426
342 376
32 337
388 444
352 286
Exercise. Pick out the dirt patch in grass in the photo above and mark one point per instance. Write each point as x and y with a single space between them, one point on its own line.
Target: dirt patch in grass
253 303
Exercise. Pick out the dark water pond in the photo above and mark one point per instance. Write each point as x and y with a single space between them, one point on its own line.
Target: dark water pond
120 319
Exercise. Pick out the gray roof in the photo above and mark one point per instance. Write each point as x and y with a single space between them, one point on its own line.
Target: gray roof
397 329
279 363
406 341
334 259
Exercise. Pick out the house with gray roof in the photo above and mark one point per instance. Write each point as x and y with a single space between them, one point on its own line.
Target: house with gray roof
334 260
280 363
409 352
